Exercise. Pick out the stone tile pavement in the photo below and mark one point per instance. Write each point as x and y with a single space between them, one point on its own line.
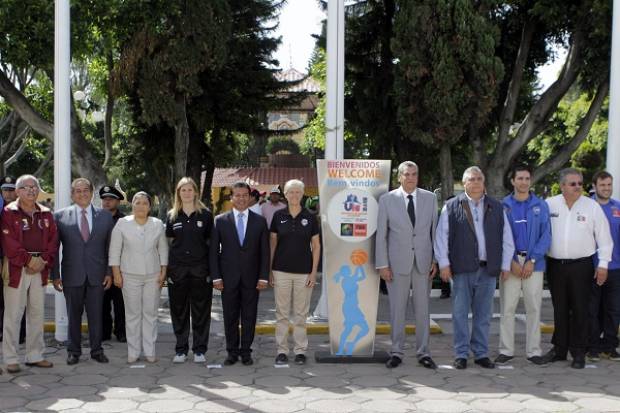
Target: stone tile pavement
165 387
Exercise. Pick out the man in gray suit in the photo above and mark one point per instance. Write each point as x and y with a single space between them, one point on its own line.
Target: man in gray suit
404 257
84 232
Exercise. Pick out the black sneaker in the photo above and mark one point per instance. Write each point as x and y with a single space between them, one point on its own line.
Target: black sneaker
503 359
611 355
538 360
593 356
300 359
281 359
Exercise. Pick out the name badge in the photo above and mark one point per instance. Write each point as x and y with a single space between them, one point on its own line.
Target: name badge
581 218
554 214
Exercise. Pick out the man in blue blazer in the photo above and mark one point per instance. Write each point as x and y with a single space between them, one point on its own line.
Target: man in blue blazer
239 262
83 274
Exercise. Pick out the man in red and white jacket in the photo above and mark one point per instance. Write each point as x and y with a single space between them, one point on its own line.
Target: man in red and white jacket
30 245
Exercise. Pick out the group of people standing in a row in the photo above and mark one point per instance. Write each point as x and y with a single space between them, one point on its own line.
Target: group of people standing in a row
476 239
104 253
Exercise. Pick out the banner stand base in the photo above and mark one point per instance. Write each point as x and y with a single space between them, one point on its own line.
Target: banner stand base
328 357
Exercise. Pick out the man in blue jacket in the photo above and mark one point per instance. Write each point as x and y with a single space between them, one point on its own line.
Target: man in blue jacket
528 216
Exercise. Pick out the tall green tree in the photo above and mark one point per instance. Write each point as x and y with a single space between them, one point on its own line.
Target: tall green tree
447 73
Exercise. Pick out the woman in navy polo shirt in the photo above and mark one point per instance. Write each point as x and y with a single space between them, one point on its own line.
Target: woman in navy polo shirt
295 253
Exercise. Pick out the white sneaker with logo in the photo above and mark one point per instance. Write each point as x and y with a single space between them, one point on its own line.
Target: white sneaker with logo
179 358
199 358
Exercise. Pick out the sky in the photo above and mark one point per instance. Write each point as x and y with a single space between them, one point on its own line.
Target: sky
299 19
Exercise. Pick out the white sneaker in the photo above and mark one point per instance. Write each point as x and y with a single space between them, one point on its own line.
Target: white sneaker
199 358
179 358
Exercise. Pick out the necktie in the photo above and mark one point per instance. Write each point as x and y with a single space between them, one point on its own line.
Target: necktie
84 226
411 210
240 231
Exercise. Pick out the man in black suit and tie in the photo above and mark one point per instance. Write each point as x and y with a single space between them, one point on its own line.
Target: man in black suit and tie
84 232
239 260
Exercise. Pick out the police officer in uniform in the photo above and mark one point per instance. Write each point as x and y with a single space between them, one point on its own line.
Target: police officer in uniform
9 195
110 200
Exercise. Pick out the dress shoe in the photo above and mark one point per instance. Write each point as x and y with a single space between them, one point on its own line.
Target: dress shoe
552 356
578 363
485 363
503 359
538 360
444 295
44 364
393 362
72 359
460 364
100 358
428 362
247 360
13 368
230 360
281 359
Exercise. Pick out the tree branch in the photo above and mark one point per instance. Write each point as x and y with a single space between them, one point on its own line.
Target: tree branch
564 154
15 155
45 163
512 96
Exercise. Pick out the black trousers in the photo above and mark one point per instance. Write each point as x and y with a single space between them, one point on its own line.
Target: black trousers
605 313
77 298
113 296
570 284
22 329
239 305
191 298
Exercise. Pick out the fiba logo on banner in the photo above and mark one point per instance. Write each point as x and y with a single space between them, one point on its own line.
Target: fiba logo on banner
352 215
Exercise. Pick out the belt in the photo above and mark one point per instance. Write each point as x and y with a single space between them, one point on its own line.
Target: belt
569 260
482 263
522 253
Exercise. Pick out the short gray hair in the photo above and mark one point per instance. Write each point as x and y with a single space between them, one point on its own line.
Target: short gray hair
405 165
294 183
569 171
20 181
471 171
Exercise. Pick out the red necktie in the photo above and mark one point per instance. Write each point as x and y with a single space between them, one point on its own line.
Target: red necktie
84 227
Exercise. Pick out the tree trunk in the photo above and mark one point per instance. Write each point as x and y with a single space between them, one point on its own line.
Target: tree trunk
445 167
181 140
109 112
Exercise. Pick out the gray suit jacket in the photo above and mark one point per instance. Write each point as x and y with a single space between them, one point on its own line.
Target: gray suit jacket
83 261
397 243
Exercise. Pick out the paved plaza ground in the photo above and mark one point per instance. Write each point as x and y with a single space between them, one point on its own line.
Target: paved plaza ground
164 387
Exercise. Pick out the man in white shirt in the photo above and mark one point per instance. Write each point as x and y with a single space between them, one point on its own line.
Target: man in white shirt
578 227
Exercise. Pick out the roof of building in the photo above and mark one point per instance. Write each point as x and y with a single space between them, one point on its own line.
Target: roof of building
308 84
224 177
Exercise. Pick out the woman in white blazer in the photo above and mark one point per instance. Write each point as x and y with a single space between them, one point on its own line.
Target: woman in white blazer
139 257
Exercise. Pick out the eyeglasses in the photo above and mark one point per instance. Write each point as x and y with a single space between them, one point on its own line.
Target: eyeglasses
575 183
29 187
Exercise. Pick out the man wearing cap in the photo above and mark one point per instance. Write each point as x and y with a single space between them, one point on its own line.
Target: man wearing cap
274 203
110 200
29 242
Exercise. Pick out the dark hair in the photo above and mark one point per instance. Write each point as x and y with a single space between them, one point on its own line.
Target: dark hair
520 168
601 175
255 194
241 184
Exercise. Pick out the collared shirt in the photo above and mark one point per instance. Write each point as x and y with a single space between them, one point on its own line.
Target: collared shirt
293 252
519 222
256 209
89 217
576 232
443 228
612 212
190 239
245 218
477 213
268 209
406 200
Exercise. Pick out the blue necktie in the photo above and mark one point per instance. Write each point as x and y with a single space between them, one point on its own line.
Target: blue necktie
240 231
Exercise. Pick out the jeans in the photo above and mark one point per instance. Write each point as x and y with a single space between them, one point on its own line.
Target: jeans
605 313
473 291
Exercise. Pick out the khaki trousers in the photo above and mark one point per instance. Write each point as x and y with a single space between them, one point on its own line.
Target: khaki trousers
291 293
509 293
28 296
141 296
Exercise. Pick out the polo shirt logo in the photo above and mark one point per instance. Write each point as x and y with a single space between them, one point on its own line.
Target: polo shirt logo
304 222
199 224
536 210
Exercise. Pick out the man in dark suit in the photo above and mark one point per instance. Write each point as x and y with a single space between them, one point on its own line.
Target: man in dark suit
239 260
84 232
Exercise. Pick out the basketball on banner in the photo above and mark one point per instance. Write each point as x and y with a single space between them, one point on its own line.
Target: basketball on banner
359 257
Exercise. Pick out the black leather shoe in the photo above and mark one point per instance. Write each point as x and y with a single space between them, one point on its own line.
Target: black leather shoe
428 362
72 359
247 360
393 362
578 363
100 358
460 364
552 356
230 360
485 363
